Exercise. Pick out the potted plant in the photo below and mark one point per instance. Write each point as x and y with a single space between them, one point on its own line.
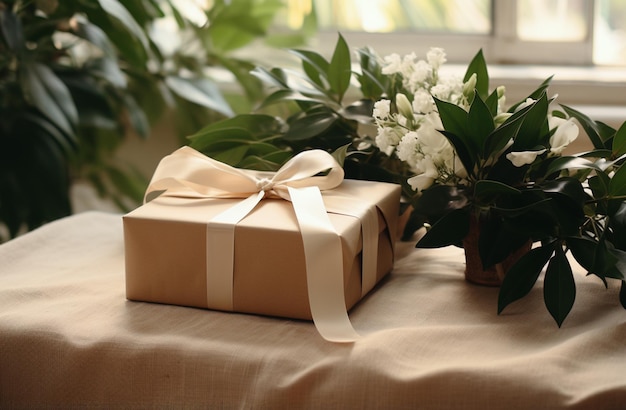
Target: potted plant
471 167
78 78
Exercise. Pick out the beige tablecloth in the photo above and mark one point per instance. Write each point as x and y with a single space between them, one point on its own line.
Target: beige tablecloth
70 339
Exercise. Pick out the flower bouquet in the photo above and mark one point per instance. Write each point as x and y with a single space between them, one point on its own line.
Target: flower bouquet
478 174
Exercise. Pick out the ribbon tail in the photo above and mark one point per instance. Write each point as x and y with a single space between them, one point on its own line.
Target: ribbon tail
220 252
324 266
368 215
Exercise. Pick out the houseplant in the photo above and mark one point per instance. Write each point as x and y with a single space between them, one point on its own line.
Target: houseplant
468 164
78 78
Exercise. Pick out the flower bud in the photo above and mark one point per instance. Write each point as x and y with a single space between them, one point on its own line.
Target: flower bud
470 85
500 91
404 106
501 118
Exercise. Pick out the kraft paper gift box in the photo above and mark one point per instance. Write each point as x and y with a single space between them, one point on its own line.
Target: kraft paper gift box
167 242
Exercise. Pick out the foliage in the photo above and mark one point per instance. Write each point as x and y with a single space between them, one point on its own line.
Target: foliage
309 109
504 167
77 77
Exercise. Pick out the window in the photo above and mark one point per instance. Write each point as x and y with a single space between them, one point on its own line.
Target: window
581 42
580 32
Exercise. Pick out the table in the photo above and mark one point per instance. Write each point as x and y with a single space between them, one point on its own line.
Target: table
430 340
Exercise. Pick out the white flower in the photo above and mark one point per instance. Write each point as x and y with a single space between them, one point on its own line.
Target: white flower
420 73
408 149
392 64
522 158
423 102
426 176
381 109
566 132
436 57
420 182
388 137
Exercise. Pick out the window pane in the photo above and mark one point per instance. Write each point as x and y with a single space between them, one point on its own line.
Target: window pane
609 46
551 20
383 16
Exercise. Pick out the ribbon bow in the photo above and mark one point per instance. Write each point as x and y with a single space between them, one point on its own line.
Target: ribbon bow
188 173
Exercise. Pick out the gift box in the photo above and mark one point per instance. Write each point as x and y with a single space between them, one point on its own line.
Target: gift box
170 242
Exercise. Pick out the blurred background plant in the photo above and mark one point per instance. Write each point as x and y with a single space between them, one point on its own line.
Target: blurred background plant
78 78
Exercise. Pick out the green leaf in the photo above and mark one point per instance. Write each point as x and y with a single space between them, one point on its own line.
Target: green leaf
584 251
464 151
534 128
449 230
480 123
619 141
617 186
96 36
117 10
559 288
200 91
522 276
589 126
49 95
289 95
455 120
340 154
276 77
487 188
340 69
478 65
622 294
314 65
567 163
310 126
245 127
11 27
500 137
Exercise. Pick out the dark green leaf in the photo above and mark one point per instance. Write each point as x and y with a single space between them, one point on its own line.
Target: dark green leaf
50 95
449 230
480 123
619 141
478 65
501 136
622 294
455 121
11 29
340 68
117 10
534 128
96 36
589 126
617 186
559 288
310 126
486 188
464 151
567 163
584 251
521 278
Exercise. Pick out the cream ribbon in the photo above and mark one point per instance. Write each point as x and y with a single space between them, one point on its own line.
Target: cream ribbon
188 173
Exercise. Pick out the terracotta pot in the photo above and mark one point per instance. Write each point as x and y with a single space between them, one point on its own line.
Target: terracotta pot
474 272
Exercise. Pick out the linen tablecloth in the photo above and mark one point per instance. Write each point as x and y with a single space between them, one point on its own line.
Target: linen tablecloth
70 339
